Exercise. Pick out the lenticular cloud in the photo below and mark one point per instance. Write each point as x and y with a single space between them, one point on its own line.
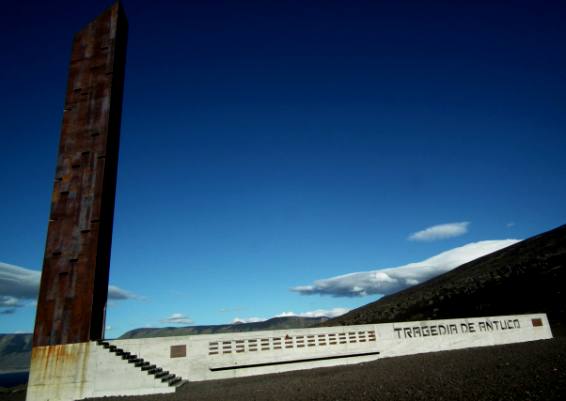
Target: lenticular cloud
19 286
390 280
441 231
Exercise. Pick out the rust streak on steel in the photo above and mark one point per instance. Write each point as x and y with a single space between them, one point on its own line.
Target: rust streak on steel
74 283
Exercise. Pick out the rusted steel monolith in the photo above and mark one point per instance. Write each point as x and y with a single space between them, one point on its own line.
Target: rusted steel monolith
74 283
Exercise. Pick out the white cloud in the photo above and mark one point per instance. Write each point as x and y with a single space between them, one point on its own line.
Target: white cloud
334 312
7 301
441 231
118 294
18 284
393 279
238 320
177 318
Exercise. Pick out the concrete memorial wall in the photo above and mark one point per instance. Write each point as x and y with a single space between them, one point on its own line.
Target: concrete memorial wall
220 356
158 365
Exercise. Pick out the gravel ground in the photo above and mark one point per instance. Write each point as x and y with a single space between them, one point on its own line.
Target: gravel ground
528 371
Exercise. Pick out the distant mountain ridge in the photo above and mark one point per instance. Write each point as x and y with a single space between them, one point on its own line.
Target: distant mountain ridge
15 352
527 277
276 323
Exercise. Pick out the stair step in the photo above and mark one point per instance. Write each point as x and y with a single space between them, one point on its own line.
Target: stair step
164 375
168 378
176 381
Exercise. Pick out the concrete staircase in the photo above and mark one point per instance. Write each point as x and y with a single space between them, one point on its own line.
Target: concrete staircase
145 366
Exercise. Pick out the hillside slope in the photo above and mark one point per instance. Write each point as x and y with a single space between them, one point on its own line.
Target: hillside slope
527 277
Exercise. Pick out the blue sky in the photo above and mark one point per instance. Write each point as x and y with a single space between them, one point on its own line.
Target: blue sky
273 145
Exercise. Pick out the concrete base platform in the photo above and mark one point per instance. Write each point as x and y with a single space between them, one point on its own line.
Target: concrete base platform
84 370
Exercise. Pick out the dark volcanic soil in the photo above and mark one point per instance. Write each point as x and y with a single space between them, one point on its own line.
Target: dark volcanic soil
528 371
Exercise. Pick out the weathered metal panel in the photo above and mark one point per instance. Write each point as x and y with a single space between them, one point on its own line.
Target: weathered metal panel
74 283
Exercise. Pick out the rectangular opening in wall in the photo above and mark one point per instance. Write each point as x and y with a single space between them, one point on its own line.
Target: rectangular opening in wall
332 338
252 345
